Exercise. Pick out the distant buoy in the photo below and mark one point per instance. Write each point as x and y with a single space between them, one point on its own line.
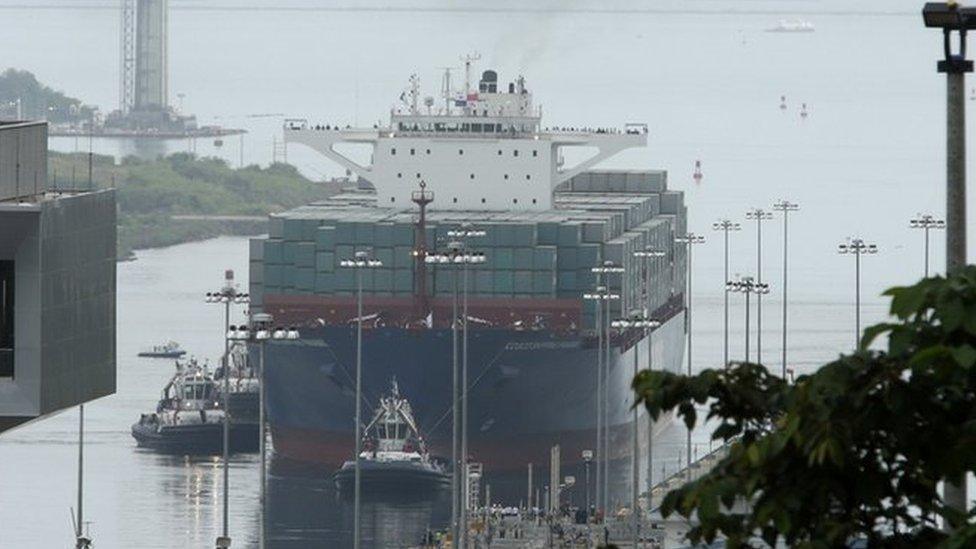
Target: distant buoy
782 102
218 142
803 111
697 175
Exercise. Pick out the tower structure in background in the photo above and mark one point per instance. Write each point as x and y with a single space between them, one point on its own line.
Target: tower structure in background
144 57
151 67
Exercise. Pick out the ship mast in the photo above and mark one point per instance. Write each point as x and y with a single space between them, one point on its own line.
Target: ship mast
421 198
468 59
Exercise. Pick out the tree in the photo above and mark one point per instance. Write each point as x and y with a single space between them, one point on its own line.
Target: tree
854 451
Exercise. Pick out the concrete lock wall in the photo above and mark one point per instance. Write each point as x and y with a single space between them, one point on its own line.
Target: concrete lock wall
23 159
64 249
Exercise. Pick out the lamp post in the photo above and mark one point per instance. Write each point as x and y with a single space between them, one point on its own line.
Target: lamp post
638 322
259 331
758 215
951 17
747 285
227 295
601 295
786 207
608 268
465 259
648 255
689 240
857 248
926 222
726 226
587 458
360 263
457 256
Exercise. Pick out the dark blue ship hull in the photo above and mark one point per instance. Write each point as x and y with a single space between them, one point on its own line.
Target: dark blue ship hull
529 390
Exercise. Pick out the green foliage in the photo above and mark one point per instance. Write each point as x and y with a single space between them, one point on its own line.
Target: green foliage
852 451
39 101
150 193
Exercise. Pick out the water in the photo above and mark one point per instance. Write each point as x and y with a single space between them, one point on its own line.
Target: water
704 76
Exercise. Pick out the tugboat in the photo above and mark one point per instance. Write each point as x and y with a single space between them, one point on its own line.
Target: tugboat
170 349
189 418
245 387
394 456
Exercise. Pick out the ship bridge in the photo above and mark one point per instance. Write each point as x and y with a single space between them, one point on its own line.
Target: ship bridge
481 150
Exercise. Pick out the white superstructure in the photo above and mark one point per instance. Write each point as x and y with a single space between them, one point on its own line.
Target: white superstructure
481 149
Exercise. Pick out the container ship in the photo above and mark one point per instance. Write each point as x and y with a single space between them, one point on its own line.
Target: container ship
475 159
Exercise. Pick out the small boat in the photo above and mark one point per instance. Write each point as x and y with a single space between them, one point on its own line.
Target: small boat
797 25
189 418
394 456
169 349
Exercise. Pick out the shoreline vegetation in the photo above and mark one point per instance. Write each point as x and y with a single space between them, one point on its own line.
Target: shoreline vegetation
182 198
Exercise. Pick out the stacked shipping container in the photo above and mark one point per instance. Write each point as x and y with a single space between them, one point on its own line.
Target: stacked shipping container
605 215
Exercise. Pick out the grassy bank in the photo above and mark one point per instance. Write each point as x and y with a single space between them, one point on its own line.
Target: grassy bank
152 192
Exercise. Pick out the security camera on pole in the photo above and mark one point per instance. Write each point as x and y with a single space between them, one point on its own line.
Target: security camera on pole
227 295
361 262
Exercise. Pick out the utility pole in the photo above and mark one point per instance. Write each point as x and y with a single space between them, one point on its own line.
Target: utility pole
951 17
786 207
758 215
926 223
726 226
688 240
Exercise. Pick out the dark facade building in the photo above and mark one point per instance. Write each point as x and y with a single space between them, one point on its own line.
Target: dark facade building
57 285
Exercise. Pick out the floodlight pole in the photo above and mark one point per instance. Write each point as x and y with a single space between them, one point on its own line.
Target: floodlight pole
951 17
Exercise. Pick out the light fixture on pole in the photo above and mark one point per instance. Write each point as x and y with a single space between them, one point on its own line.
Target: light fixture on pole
758 215
226 296
646 324
606 269
688 240
786 207
601 295
649 255
466 259
726 226
259 331
747 285
857 248
457 256
587 456
926 222
951 17
360 263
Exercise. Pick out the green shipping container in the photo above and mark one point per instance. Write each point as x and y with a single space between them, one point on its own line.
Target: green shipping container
503 282
305 255
544 258
325 262
324 283
383 281
293 229
524 259
547 233
325 239
290 252
523 282
274 251
403 281
501 258
403 257
543 282
305 279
